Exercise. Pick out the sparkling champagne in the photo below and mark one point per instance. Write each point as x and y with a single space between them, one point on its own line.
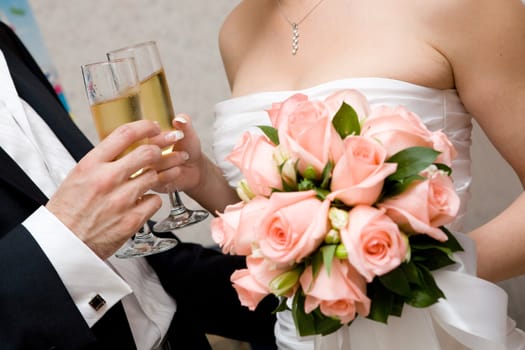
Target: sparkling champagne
155 100
110 114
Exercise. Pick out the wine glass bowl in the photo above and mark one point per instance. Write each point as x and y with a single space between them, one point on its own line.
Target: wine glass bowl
157 106
113 95
113 92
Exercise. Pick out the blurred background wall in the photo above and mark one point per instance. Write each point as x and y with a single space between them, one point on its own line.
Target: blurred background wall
77 32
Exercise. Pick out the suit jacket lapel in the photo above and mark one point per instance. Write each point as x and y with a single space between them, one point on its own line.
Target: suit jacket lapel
34 92
16 177
34 88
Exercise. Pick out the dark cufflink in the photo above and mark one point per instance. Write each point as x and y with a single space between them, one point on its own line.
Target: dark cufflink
97 302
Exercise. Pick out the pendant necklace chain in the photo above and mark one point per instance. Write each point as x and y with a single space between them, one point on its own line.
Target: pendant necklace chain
295 24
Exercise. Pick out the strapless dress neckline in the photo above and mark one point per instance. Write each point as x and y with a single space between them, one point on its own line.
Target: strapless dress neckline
358 82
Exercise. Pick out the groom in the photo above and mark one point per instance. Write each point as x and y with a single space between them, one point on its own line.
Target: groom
58 293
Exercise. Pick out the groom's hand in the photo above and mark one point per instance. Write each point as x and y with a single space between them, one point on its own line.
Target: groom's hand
100 201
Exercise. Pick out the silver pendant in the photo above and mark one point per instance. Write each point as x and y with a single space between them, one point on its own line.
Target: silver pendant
295 38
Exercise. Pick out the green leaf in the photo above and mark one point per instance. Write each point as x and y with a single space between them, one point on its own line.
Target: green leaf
305 185
433 253
396 281
412 161
426 294
411 272
304 323
382 301
421 298
317 263
452 243
321 194
346 121
325 325
314 322
432 258
397 305
326 176
271 133
393 188
418 247
422 240
328 252
282 306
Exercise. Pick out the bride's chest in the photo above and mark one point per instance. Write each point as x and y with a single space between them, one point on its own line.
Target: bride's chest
331 47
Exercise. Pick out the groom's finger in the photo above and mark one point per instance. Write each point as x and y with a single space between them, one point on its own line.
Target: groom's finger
122 138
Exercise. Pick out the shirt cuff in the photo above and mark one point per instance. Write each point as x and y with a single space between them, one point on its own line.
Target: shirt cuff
83 273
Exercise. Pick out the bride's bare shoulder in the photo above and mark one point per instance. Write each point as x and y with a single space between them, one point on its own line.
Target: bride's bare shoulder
462 28
457 19
233 30
239 29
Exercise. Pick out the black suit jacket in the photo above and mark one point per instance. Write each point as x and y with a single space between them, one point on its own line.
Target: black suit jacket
31 293
36 311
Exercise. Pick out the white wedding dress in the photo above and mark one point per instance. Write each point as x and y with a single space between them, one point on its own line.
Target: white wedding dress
474 314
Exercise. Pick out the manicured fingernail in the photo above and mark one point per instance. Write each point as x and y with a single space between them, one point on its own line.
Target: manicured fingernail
181 119
157 125
185 155
175 135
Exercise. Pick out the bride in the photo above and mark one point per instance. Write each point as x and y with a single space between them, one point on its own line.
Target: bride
448 61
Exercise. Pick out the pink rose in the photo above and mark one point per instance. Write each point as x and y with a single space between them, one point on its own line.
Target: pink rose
341 294
264 271
253 155
396 128
306 132
425 205
292 226
297 104
233 230
373 242
359 174
252 283
442 144
250 291
351 97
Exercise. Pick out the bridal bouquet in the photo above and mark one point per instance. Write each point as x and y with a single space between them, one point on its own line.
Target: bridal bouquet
342 213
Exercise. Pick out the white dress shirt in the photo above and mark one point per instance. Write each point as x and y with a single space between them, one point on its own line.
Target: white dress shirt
23 135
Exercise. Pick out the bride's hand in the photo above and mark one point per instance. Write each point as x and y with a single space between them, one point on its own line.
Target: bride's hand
183 168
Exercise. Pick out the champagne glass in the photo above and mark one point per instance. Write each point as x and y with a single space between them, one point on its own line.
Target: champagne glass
113 92
156 105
